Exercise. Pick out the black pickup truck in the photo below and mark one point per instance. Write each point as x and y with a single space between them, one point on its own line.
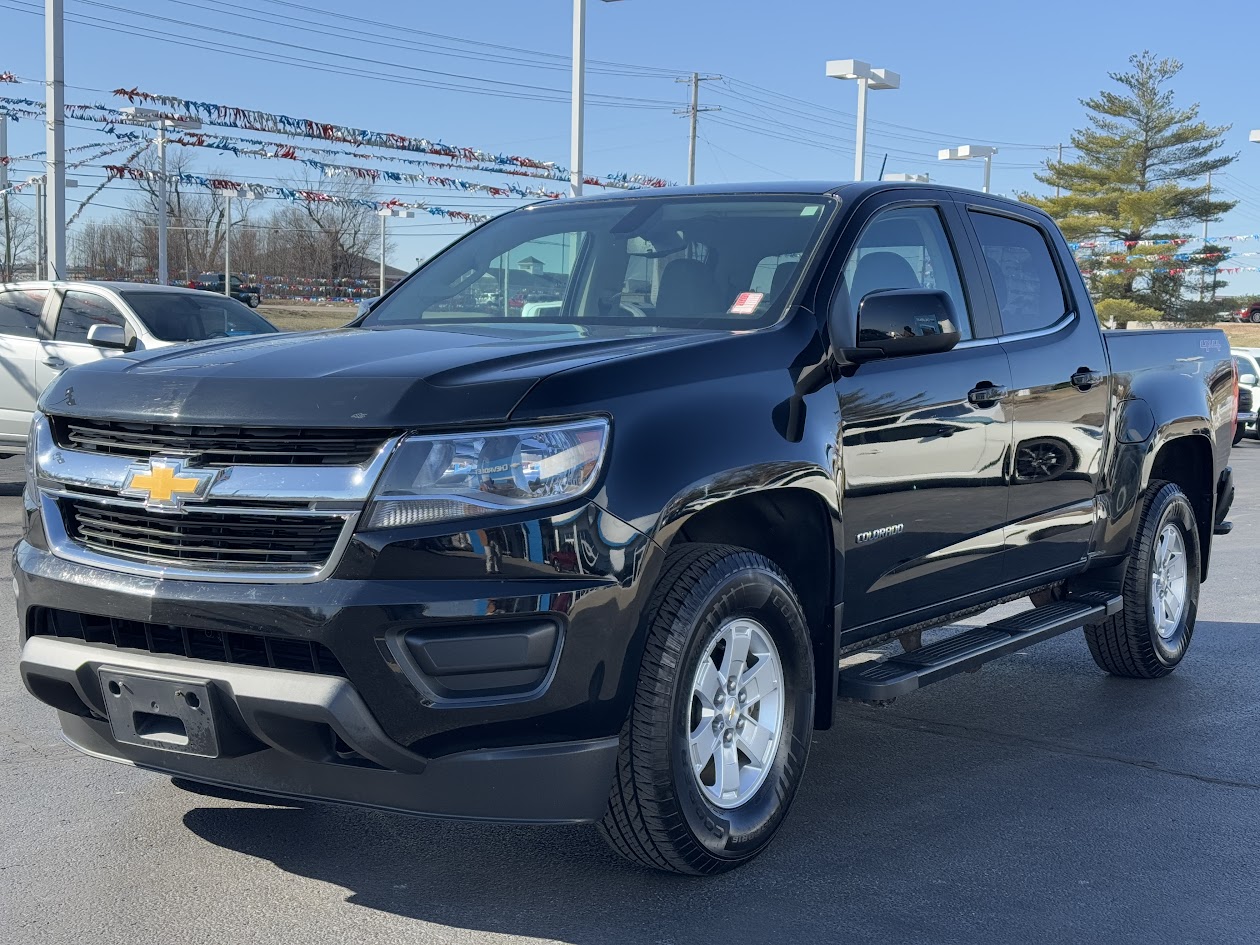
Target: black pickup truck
605 563
251 295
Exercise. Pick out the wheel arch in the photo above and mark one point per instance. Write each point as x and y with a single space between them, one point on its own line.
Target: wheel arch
799 530
1186 460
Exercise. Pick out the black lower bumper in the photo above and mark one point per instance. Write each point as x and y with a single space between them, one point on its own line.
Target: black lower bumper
310 736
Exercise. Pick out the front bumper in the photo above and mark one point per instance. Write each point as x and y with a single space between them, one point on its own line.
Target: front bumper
366 726
281 720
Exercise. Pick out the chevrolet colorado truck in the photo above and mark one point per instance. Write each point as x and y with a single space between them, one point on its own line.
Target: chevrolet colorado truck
608 563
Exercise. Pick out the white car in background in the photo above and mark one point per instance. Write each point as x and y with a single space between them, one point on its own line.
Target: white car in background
1249 378
46 327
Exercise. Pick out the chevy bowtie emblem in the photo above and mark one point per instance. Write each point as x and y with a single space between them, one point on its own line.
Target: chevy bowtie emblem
165 484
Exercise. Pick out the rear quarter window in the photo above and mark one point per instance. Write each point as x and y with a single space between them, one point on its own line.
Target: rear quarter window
1025 279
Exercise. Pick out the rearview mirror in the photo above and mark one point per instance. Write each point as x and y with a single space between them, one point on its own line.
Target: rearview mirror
901 322
1247 380
107 336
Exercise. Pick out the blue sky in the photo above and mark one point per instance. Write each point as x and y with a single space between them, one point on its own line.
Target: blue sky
979 73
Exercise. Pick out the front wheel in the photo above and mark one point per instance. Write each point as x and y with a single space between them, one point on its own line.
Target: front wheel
1254 317
1151 635
253 301
716 742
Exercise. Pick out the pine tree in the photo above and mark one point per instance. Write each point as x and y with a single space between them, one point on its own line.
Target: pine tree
1140 174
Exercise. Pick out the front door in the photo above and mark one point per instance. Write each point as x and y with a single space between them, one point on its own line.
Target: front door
80 309
925 438
1061 396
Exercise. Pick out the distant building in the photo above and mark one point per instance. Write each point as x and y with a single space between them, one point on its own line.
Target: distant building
533 265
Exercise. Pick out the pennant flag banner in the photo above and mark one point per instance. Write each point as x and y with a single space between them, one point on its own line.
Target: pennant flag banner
1163 257
8 77
1175 272
1095 244
117 171
288 152
228 116
100 153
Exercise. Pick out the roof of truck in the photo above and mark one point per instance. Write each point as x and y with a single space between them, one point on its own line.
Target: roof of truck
849 190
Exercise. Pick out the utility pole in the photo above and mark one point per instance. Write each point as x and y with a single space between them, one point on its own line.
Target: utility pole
1056 186
164 273
39 229
54 115
1204 261
694 111
6 263
577 117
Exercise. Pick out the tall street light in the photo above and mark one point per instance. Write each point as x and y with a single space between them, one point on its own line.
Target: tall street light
385 213
867 78
227 193
970 152
579 95
155 118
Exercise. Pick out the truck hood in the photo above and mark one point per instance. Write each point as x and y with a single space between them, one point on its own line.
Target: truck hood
345 377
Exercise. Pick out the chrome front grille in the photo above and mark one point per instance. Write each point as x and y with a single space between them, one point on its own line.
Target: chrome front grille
221 446
283 510
227 540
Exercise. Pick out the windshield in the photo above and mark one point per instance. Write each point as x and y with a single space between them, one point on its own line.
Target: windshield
187 316
702 262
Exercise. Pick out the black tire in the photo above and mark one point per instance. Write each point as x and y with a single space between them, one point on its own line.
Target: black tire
1128 644
253 301
1254 317
657 814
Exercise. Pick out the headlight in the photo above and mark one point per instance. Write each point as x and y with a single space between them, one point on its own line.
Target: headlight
32 447
443 478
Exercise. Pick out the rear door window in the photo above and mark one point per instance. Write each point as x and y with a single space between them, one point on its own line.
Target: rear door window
1025 279
20 310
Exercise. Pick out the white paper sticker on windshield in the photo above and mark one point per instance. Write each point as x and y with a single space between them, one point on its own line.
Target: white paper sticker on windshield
746 303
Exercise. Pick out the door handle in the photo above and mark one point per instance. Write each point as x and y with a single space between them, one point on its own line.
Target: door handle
54 362
1084 379
986 394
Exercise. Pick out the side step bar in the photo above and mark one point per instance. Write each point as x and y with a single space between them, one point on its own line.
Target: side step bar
904 673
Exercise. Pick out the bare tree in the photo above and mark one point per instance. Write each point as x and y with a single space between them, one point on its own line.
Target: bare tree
17 252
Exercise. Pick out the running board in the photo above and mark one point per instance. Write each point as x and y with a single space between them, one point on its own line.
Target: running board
904 673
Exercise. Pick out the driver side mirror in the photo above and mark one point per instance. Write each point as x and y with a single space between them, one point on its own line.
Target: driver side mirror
108 336
902 322
1247 380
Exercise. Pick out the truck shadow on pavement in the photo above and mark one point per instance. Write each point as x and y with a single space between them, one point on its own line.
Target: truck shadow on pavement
1039 801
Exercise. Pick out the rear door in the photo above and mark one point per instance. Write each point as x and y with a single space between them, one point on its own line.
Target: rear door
924 482
20 313
1061 395
67 345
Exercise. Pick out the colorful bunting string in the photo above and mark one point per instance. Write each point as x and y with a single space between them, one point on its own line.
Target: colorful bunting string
229 116
116 171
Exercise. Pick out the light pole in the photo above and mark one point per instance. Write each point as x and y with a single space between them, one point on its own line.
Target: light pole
579 95
154 118
969 152
867 78
45 268
227 193
909 178
385 213
55 135
1255 136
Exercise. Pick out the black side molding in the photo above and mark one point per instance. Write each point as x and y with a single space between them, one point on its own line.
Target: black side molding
904 673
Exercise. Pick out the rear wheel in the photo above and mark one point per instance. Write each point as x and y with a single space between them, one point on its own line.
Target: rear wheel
1151 635
1254 317
716 742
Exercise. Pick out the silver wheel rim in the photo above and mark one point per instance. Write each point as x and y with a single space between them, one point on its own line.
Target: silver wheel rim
1168 582
735 715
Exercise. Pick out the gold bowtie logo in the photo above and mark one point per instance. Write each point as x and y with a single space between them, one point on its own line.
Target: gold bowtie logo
165 484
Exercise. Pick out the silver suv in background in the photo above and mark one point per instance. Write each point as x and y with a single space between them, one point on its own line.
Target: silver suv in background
46 327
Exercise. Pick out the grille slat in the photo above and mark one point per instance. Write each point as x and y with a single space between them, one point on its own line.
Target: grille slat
218 646
263 542
221 446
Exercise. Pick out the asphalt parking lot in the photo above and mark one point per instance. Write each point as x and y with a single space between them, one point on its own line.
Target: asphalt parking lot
1037 801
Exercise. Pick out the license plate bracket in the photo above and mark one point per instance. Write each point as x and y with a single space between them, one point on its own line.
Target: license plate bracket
154 710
